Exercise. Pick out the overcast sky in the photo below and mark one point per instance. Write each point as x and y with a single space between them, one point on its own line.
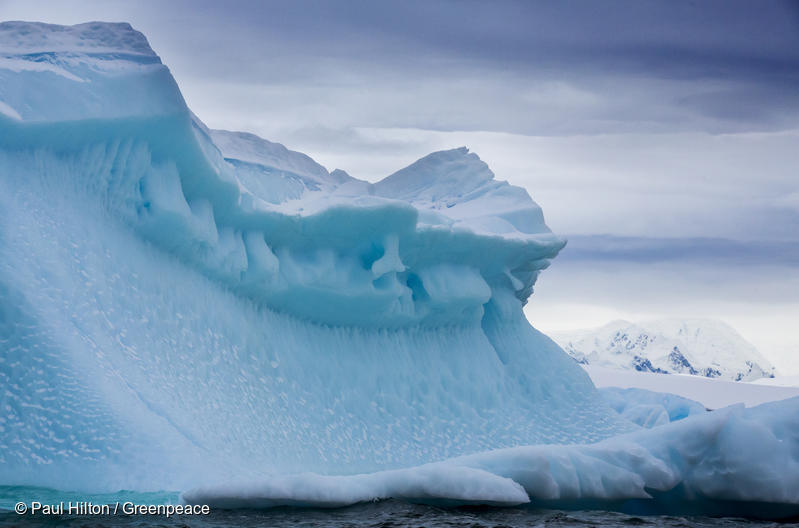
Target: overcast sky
662 138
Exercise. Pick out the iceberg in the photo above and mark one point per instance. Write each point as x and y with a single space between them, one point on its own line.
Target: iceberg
173 293
191 309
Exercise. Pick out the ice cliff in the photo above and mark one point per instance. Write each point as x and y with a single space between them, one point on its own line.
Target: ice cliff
182 306
174 293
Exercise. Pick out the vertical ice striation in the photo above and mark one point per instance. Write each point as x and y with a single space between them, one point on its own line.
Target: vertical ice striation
179 304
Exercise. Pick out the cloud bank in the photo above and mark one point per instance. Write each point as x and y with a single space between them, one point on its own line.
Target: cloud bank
659 136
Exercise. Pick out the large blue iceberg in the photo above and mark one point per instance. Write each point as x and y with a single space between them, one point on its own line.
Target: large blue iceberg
201 310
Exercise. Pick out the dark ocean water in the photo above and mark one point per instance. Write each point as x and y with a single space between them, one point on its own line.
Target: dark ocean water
386 514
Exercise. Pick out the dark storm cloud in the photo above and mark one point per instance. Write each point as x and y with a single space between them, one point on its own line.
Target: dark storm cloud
732 65
637 65
677 38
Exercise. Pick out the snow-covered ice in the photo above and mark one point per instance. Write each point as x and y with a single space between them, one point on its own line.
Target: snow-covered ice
189 308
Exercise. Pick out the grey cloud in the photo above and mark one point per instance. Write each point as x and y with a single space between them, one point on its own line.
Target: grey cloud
710 252
646 66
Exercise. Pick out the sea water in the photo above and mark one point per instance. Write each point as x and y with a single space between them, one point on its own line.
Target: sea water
384 514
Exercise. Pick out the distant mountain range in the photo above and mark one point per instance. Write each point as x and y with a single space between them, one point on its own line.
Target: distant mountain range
699 347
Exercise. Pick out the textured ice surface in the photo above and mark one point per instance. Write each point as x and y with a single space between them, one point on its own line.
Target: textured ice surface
182 307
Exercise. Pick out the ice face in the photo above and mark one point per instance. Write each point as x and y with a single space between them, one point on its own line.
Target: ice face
125 349
174 294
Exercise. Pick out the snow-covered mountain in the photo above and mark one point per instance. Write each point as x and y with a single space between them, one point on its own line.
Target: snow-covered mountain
699 347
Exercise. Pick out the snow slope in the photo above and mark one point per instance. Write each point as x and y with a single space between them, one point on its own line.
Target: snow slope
182 307
699 347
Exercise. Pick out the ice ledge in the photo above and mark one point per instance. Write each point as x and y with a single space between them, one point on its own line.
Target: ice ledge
731 461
